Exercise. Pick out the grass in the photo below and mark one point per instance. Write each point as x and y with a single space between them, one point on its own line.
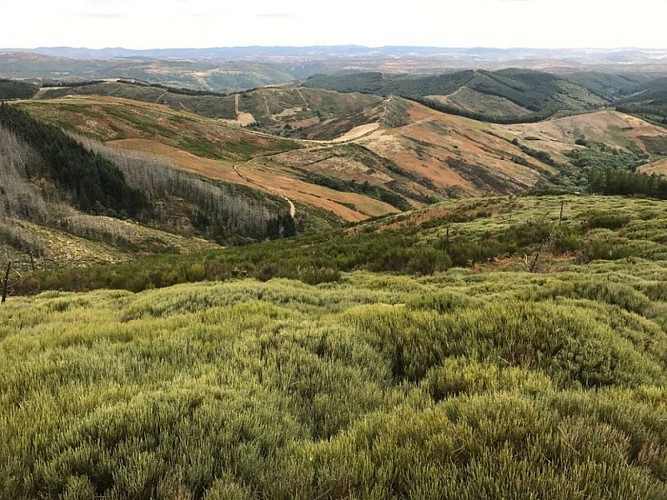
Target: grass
462 383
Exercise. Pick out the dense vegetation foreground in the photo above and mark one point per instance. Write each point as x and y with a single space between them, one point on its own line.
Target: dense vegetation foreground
463 384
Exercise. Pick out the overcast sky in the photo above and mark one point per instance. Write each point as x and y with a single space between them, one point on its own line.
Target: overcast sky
145 24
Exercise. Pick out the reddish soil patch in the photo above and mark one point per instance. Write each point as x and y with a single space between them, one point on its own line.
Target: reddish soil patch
657 167
213 169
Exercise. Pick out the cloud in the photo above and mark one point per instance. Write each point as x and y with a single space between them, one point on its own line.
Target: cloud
108 16
276 15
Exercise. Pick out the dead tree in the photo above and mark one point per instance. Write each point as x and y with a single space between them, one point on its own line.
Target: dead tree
5 283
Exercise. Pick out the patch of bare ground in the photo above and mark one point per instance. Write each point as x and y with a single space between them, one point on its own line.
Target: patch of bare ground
656 167
214 169
357 133
243 119
339 202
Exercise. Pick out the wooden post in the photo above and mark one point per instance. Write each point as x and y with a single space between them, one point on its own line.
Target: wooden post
6 282
447 239
560 217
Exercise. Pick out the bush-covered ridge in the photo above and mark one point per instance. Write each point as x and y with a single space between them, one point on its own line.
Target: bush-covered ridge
519 232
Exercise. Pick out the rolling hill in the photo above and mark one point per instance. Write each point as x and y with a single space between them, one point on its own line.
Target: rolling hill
354 154
504 95
287 111
648 100
319 155
198 74
609 86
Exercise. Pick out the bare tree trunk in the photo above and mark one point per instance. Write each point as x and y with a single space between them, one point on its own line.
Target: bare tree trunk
533 266
6 282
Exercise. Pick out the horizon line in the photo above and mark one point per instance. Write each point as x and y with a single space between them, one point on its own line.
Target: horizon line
351 45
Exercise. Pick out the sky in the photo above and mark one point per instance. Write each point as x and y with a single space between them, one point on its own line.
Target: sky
143 24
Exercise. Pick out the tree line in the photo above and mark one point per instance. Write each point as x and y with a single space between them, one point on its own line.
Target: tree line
624 182
94 183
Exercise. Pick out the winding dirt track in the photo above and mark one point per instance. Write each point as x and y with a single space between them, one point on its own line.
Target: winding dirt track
354 134
292 208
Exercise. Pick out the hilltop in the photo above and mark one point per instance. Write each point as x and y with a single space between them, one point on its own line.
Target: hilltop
504 95
547 353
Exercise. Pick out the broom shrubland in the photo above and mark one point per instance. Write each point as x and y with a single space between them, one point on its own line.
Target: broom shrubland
471 232
457 383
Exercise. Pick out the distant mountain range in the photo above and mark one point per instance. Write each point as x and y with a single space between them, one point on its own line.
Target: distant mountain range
657 56
388 59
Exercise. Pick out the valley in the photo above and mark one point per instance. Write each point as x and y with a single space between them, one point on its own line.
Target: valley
275 277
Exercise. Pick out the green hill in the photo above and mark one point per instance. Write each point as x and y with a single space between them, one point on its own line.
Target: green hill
609 86
482 382
536 94
648 100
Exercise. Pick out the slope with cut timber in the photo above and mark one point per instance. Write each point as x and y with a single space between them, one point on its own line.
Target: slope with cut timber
353 155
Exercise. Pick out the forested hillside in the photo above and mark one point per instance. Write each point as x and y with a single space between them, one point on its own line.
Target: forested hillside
56 187
648 100
12 89
505 96
94 183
